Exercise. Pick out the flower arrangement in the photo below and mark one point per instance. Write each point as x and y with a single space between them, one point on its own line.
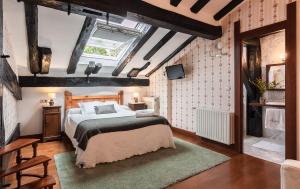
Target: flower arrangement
260 85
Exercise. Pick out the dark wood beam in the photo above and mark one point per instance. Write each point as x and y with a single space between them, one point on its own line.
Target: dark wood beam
74 8
198 5
138 43
291 81
147 13
2 128
225 10
182 46
134 72
30 81
160 43
83 38
9 80
139 11
31 15
175 3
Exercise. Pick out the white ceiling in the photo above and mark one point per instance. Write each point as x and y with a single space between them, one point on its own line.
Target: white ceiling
59 32
205 15
158 57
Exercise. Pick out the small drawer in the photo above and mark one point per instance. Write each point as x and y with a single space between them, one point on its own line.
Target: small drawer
51 110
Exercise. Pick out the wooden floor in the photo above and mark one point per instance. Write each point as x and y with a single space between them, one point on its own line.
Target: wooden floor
240 172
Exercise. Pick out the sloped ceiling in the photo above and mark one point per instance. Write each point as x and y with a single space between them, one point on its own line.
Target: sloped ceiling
205 15
167 49
60 31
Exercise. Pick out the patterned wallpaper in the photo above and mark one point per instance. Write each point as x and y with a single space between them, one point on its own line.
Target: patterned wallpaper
10 116
209 81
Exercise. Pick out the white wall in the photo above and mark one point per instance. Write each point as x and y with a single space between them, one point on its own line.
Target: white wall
30 108
10 116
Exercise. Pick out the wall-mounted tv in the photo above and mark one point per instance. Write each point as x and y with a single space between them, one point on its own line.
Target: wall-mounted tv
175 72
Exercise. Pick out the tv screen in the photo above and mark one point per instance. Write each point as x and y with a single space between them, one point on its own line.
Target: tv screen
175 72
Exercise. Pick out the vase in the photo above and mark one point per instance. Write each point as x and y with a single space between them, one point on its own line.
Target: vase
262 100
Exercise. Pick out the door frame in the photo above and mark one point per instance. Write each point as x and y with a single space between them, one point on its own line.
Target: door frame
290 27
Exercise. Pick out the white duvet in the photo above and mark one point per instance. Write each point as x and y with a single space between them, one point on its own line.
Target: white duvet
114 146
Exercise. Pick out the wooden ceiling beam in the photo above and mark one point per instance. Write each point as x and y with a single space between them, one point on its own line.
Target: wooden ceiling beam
31 16
228 8
30 81
140 11
74 8
135 47
198 5
182 46
82 40
175 3
160 43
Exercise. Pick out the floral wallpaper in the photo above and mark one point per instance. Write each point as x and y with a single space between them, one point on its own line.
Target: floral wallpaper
209 81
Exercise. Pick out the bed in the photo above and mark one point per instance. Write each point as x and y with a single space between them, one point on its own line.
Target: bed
122 134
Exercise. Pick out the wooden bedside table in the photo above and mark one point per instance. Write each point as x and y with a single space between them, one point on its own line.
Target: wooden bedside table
51 123
137 106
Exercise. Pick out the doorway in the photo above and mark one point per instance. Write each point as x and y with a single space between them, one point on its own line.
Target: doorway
289 26
263 76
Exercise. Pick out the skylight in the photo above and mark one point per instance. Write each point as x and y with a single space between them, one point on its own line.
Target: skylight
109 43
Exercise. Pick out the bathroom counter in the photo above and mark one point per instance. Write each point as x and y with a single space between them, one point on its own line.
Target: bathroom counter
268 104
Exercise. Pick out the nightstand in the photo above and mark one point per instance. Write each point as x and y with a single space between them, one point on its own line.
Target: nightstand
137 106
51 123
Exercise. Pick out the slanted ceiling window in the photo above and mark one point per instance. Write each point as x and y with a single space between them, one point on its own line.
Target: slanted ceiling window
110 42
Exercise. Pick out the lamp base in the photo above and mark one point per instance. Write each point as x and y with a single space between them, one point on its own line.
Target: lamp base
51 103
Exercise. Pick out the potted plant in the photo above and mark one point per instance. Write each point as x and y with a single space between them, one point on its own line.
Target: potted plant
262 88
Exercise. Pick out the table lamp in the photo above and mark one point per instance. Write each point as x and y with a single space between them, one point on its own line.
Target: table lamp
51 97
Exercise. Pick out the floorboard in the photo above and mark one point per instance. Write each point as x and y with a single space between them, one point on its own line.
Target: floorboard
241 171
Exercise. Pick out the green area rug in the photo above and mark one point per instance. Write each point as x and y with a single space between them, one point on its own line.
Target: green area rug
150 171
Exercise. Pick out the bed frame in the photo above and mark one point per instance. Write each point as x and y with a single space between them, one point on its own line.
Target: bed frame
72 101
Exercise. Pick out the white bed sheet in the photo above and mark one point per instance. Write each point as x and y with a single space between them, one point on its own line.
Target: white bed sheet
114 146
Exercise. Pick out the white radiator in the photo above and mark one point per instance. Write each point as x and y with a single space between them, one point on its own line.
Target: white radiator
215 125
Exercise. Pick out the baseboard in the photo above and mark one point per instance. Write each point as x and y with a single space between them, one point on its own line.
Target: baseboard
184 132
193 135
37 136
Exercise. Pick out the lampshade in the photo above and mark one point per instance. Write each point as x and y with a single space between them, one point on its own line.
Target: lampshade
51 95
136 95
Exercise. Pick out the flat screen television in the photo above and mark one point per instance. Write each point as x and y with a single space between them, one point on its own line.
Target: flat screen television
175 72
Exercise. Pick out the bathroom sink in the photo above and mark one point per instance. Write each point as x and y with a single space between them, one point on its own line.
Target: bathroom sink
276 103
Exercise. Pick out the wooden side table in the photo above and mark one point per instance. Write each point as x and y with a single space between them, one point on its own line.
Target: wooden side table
51 123
137 106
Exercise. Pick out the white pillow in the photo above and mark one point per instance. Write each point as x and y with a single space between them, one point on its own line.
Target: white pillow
74 111
116 105
89 107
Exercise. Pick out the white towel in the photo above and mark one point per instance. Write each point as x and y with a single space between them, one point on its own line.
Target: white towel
275 119
145 113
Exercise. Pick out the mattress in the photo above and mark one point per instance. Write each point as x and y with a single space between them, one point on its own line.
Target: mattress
115 146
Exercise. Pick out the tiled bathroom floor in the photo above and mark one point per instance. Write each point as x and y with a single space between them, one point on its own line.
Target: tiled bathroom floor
273 154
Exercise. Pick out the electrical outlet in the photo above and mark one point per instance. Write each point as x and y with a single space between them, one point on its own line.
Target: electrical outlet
43 101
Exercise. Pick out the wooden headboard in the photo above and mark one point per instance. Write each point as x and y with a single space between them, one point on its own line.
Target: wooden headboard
72 101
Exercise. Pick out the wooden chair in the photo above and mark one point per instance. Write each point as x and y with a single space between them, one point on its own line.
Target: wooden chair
22 163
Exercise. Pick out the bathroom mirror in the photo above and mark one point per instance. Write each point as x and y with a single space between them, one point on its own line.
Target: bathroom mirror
275 76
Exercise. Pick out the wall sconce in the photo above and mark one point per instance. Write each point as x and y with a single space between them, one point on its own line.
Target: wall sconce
282 57
217 49
92 68
51 97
